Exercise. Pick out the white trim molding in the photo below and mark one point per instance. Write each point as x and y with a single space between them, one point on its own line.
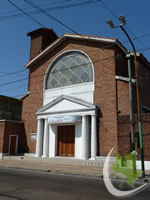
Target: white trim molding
57 58
87 106
1 156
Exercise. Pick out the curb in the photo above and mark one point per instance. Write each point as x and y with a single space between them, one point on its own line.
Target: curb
51 171
61 172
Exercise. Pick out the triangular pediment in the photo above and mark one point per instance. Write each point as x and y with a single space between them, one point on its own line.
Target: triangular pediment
65 104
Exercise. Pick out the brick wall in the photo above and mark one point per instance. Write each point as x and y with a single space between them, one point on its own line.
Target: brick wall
124 135
36 43
123 97
144 82
40 39
105 99
2 130
8 128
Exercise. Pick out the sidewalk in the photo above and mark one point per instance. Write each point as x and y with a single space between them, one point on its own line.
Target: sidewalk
52 167
61 168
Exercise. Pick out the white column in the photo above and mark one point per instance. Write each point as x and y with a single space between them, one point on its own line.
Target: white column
46 139
39 138
52 140
93 137
84 138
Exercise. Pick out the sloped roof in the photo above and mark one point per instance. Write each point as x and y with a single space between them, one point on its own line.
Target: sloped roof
73 36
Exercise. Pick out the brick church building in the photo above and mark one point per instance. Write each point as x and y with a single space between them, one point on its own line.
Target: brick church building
77 104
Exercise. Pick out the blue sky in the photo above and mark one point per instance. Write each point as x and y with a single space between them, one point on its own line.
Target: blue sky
88 19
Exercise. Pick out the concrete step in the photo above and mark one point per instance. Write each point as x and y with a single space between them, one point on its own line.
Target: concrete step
13 157
59 160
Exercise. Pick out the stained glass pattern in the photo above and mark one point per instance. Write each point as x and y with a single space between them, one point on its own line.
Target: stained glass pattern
70 69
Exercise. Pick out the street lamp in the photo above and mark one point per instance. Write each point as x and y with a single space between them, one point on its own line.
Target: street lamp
123 21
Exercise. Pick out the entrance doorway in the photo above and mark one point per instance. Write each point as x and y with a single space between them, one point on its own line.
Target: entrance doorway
13 144
66 141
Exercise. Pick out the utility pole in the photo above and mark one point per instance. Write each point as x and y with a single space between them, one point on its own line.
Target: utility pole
128 55
123 20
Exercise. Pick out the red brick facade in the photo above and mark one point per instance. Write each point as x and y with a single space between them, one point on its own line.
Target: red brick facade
104 99
8 128
124 135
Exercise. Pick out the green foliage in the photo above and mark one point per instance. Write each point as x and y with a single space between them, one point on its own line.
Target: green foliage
127 167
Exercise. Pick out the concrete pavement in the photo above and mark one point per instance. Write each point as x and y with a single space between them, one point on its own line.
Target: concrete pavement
59 165
52 167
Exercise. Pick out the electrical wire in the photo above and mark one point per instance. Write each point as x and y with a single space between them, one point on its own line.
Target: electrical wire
44 4
66 6
26 13
54 18
13 16
96 61
37 7
14 88
135 38
44 74
110 10
49 15
11 73
105 47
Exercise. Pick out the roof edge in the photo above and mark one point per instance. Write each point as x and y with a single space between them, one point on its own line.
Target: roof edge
81 37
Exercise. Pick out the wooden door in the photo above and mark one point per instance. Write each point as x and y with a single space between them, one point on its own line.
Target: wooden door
66 141
13 143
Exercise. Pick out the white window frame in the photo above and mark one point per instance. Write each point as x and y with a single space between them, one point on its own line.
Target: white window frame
56 58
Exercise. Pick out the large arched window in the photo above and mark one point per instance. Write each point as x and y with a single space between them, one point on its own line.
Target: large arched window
70 68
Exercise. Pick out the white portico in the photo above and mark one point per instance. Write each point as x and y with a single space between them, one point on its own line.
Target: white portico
67 126
67 122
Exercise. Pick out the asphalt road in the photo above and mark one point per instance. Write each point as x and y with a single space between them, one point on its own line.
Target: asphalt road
29 185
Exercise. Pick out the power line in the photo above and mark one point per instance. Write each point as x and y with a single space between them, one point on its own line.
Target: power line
37 7
67 6
43 11
20 80
105 47
52 17
96 61
14 88
49 15
110 10
25 13
40 24
44 4
109 46
11 73
11 82
10 17
135 38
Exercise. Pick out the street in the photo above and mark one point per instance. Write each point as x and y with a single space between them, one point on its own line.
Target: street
30 185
